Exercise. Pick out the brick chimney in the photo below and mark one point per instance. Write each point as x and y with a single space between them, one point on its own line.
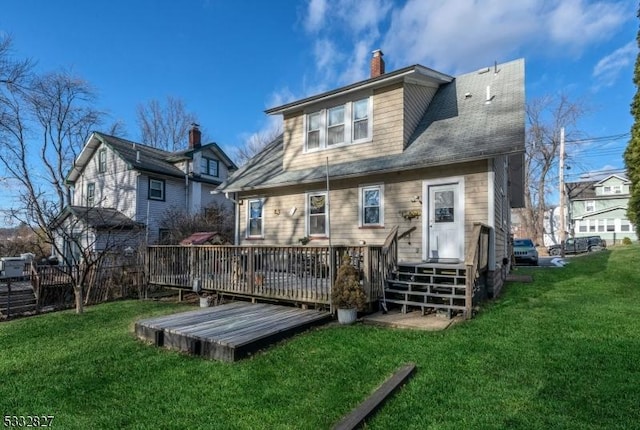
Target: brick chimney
194 136
377 64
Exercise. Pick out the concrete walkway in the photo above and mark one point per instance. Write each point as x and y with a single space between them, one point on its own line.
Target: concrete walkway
411 320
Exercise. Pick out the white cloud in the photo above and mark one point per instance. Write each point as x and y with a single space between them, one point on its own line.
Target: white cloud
358 65
578 23
362 16
316 13
608 68
456 36
325 53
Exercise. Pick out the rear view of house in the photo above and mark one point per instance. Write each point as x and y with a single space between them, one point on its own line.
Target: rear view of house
413 151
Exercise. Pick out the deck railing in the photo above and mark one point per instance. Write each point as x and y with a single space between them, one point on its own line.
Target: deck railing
477 266
289 273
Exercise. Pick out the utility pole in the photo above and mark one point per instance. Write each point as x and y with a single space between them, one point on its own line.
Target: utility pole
562 203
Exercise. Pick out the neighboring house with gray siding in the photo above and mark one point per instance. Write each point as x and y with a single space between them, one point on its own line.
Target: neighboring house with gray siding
138 184
414 148
600 208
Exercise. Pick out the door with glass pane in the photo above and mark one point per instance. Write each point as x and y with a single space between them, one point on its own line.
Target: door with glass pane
445 223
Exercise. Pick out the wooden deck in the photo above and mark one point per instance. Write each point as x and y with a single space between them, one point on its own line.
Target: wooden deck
228 332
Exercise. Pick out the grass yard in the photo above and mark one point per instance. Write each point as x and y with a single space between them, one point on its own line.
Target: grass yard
561 352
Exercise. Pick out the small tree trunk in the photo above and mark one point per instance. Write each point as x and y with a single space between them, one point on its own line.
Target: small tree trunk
77 288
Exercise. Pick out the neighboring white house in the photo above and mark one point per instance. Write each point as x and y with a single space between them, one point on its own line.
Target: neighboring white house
123 189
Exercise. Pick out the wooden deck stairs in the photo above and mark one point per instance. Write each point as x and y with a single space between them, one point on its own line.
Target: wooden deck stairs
21 300
428 287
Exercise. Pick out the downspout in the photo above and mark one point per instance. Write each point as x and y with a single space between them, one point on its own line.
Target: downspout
237 223
186 190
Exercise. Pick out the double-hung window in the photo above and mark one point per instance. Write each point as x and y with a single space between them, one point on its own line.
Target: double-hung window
91 194
371 206
156 189
317 210
339 125
209 166
254 218
102 161
361 114
590 206
335 127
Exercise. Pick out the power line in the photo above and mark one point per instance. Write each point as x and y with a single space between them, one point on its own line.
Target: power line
612 137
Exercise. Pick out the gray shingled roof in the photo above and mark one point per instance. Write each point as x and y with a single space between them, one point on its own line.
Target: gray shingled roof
146 158
151 159
581 190
98 218
458 126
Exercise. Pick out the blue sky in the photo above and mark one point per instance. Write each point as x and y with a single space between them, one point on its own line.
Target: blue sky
230 60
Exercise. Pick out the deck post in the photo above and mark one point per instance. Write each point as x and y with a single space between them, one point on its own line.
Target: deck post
468 299
251 269
366 271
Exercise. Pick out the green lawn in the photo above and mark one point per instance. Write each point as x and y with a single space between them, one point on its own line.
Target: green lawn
562 352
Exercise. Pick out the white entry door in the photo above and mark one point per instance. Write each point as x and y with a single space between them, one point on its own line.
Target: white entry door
445 221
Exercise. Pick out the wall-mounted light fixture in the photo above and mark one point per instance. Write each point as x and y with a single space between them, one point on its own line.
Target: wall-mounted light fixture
416 199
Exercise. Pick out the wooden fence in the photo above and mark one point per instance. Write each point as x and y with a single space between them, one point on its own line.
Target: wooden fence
53 285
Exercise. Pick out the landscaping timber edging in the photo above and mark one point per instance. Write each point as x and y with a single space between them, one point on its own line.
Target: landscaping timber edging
356 418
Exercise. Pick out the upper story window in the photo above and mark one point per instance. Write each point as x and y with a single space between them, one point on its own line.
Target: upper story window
91 194
590 206
156 189
209 166
371 206
254 218
102 161
339 125
612 189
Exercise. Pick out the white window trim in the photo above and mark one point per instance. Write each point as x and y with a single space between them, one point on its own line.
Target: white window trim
163 189
248 229
206 171
91 186
348 126
361 190
308 214
102 153
588 203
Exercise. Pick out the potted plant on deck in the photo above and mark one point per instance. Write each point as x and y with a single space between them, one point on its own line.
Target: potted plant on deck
348 295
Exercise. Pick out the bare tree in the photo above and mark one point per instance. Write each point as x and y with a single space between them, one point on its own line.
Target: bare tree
545 117
256 143
44 121
165 126
180 224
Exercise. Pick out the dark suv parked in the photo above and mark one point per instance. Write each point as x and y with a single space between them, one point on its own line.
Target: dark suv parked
579 245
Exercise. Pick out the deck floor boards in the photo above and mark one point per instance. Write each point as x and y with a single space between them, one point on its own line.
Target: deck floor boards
231 331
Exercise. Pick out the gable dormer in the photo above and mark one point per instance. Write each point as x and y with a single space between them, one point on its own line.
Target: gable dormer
368 119
611 186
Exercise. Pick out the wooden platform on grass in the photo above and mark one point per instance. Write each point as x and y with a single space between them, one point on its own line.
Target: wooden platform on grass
228 332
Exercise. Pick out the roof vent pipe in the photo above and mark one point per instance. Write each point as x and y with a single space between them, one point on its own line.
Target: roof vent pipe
489 96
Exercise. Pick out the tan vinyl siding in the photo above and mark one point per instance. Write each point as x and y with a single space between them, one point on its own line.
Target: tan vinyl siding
387 134
416 101
399 190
